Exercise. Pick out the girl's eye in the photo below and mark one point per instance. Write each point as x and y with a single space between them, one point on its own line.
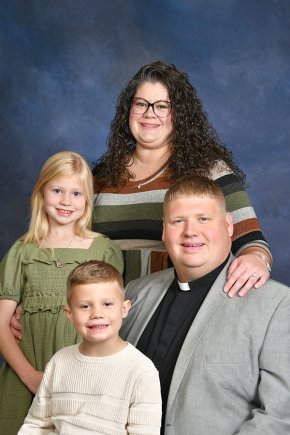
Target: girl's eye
77 193
56 190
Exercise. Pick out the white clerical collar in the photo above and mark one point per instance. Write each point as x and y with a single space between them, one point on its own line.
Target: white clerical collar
184 286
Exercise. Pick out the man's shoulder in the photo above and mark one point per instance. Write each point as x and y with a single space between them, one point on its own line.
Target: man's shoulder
152 279
272 293
276 288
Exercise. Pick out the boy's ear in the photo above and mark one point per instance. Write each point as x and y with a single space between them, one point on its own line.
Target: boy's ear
68 314
126 308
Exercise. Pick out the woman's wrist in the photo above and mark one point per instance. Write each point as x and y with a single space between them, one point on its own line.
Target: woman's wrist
264 258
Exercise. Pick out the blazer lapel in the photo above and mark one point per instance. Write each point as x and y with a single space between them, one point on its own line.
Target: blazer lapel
147 298
211 307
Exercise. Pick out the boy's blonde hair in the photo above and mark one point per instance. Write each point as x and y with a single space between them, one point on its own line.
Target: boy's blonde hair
195 185
91 272
62 164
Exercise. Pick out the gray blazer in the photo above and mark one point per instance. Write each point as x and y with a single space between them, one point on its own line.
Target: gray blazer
232 375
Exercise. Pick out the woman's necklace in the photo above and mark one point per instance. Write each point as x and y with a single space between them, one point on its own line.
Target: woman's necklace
149 180
161 163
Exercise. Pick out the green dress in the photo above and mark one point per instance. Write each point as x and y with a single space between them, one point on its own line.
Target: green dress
36 278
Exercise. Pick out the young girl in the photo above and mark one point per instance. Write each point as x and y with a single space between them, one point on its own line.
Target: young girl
34 272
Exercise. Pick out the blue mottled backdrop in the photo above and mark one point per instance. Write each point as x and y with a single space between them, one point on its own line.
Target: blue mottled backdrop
64 62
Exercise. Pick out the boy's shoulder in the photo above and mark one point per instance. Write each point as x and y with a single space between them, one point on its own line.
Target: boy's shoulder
137 358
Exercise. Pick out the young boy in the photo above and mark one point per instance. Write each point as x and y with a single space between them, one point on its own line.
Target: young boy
103 385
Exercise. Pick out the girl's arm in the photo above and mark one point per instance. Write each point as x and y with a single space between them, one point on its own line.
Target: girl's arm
11 351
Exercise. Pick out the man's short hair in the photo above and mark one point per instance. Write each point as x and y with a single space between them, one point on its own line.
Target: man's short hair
90 272
195 185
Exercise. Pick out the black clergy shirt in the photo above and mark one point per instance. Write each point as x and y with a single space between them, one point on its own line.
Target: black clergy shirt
164 335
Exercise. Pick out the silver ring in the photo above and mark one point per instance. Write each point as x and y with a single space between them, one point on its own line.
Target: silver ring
256 276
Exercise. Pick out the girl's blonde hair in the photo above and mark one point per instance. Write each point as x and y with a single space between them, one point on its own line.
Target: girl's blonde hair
62 164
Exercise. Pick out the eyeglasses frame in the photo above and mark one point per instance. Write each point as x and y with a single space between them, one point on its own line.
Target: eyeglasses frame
152 105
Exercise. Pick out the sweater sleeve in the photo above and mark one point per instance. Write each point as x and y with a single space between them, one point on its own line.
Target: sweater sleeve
247 229
145 408
39 418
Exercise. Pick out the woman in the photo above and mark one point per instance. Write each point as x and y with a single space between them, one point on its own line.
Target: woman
160 133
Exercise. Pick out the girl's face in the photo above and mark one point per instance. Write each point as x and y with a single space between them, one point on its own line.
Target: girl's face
149 130
64 200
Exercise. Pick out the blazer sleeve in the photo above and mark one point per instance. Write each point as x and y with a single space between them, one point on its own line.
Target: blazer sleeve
273 415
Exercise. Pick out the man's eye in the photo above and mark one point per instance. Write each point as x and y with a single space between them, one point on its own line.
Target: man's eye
178 221
203 219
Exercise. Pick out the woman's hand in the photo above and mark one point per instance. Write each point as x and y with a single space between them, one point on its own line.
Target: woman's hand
15 324
246 271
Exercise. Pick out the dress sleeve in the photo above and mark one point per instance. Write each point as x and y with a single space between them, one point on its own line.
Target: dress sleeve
39 418
113 255
145 409
11 276
247 229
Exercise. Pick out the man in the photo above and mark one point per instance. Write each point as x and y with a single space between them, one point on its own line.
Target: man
224 363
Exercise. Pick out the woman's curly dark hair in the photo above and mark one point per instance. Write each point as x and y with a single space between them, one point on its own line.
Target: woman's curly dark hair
195 144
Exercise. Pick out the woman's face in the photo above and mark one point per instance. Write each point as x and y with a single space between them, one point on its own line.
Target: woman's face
149 130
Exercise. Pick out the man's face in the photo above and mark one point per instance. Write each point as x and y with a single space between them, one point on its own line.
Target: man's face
197 233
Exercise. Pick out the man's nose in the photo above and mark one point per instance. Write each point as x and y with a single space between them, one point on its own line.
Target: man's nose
191 228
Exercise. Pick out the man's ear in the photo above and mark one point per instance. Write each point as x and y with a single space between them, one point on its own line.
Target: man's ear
68 314
229 220
126 308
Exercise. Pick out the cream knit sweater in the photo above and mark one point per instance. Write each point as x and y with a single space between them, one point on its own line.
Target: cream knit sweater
113 395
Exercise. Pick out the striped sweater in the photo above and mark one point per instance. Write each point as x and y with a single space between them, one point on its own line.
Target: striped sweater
132 215
115 394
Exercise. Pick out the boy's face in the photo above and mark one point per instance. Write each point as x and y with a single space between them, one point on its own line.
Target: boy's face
96 311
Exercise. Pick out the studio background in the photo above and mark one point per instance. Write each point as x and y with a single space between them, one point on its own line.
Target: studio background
63 64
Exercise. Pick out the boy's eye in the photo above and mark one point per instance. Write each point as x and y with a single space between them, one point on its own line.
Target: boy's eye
108 304
85 306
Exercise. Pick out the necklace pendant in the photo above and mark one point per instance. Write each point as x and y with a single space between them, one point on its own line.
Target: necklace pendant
59 263
139 186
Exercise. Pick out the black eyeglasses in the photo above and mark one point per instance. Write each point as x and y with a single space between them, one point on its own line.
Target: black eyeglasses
161 109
